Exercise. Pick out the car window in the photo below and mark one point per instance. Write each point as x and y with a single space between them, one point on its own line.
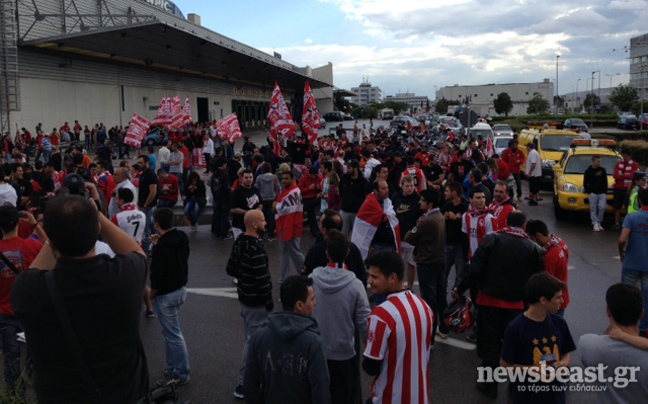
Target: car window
502 142
556 142
579 163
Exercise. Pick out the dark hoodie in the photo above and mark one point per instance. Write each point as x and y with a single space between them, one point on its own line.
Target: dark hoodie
286 362
169 267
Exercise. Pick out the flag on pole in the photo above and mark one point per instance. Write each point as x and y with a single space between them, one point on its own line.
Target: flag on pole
175 113
311 120
137 130
162 117
490 150
279 115
229 128
186 113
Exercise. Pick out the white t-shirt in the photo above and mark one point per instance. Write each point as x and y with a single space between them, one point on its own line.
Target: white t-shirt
534 157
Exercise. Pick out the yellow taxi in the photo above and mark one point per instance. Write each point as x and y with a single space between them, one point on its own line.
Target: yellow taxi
569 175
550 144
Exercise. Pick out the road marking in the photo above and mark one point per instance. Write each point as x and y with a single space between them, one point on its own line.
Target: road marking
571 267
220 292
617 257
456 343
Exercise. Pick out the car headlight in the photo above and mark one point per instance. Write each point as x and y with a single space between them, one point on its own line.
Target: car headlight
569 187
548 163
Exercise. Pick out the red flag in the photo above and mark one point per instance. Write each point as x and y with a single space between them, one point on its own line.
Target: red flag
162 117
186 113
490 150
137 130
175 113
279 115
229 128
311 120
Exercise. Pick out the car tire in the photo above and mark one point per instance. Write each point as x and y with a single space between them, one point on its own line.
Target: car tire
560 213
150 142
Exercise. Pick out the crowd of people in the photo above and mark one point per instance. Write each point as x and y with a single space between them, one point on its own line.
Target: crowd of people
385 210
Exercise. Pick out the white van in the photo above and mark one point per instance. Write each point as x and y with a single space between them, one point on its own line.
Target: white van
480 129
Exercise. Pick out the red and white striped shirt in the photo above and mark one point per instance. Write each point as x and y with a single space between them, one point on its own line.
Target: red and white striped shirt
477 225
420 182
400 335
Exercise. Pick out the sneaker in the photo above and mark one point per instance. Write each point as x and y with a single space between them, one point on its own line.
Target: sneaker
149 313
228 237
238 392
443 335
533 203
172 382
598 227
272 238
194 229
472 337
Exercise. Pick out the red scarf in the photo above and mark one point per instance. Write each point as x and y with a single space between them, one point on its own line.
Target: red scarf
514 231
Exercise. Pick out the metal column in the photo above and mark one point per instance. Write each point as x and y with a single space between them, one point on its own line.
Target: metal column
9 85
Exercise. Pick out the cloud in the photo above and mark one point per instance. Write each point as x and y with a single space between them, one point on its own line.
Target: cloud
309 41
628 5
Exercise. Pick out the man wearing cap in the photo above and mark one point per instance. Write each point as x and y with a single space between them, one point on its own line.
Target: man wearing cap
20 253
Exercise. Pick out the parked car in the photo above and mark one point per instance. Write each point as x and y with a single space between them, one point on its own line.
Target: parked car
629 122
348 117
401 121
575 123
323 121
501 143
502 129
644 120
155 136
335 116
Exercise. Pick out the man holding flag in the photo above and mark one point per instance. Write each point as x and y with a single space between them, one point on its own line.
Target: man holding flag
290 219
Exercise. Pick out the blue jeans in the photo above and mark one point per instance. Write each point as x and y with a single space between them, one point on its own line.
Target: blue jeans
454 255
166 203
432 283
148 229
192 210
220 219
253 319
632 277
9 327
167 308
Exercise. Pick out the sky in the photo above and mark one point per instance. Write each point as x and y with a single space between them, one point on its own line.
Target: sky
421 45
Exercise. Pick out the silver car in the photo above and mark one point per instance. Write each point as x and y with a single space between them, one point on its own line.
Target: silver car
502 129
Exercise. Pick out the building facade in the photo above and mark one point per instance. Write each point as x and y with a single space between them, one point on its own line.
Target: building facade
366 94
416 103
639 64
100 61
481 97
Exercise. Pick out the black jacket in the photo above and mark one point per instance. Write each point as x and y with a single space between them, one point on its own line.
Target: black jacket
595 180
169 264
316 257
352 192
502 265
248 263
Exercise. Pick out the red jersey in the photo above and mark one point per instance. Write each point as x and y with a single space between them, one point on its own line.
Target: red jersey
556 262
106 185
420 182
504 171
623 173
477 225
77 129
501 211
186 163
513 159
55 139
169 188
425 158
21 253
400 335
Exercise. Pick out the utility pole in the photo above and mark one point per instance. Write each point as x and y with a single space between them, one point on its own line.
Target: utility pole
557 92
592 101
577 95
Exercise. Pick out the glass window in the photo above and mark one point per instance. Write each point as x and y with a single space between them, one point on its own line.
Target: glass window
579 163
557 142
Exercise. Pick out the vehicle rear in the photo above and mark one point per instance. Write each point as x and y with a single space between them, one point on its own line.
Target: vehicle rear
480 130
550 144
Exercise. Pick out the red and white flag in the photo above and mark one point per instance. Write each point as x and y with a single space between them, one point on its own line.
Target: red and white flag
279 115
186 113
370 217
175 113
311 120
162 117
490 150
290 213
137 130
229 128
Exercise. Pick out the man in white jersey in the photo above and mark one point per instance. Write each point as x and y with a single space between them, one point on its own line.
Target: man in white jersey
129 219
399 339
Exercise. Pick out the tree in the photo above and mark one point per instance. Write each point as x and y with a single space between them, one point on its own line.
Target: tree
538 105
503 104
624 96
340 103
591 99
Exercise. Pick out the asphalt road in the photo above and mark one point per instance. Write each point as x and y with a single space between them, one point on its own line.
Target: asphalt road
214 332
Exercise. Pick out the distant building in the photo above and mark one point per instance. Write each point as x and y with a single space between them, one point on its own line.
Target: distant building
481 97
639 63
415 103
366 94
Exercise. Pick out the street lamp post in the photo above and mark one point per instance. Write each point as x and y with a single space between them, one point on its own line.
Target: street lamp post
577 95
599 87
592 101
612 75
557 92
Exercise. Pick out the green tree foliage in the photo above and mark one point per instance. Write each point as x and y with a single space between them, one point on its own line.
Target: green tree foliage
340 103
503 104
538 105
591 99
624 97
442 105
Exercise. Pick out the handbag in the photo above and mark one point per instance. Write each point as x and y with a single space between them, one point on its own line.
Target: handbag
158 395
